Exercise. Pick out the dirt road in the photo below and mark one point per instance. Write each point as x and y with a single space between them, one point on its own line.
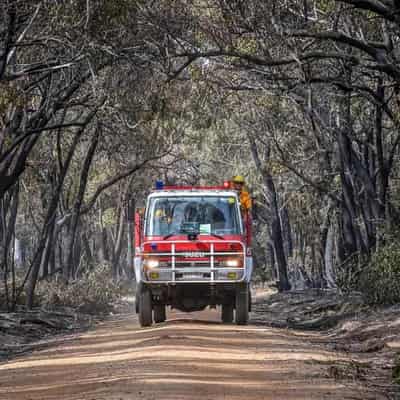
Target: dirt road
191 356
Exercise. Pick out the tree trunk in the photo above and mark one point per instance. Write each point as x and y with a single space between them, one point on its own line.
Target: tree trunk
87 249
328 257
271 253
129 253
287 231
276 228
47 251
119 242
9 210
33 271
383 173
70 266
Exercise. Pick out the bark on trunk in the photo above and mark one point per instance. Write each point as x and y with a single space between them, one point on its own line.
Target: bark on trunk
118 244
33 271
328 257
9 210
287 231
276 228
70 265
47 251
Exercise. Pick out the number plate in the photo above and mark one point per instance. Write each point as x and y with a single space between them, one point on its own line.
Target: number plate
192 276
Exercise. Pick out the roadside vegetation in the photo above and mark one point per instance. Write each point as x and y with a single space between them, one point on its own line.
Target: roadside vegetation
93 293
380 279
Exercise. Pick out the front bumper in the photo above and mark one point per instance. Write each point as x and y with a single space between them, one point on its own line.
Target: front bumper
180 269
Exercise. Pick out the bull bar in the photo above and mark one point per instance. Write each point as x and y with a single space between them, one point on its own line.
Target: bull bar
196 272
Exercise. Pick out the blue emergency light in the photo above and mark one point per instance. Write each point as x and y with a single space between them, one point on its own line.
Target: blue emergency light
159 185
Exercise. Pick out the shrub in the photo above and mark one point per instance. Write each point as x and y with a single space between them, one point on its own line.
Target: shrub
379 281
21 300
94 292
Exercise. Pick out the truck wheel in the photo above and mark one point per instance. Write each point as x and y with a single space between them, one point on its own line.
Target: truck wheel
139 289
145 308
137 300
227 313
160 314
242 304
250 301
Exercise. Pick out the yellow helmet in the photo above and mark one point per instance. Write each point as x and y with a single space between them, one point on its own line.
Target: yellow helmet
238 179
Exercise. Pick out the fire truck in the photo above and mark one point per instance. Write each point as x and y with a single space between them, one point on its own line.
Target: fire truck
192 251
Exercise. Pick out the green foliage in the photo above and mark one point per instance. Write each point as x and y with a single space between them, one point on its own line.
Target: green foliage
109 217
247 45
348 273
380 278
9 96
326 6
94 292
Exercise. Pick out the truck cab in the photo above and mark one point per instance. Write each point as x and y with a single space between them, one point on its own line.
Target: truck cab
192 250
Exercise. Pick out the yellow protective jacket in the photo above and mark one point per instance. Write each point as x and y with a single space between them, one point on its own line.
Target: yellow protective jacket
245 199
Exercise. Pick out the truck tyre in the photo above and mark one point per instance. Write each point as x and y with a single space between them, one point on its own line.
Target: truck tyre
242 304
160 314
137 300
227 313
250 301
139 288
145 308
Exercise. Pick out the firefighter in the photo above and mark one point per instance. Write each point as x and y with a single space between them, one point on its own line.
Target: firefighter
238 185
162 219
160 227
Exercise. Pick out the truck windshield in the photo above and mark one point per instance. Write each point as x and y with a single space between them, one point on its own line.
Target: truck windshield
214 215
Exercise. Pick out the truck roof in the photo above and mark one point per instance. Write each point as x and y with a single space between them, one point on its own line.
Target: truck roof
193 192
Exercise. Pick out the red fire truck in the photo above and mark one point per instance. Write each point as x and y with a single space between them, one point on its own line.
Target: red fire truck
193 250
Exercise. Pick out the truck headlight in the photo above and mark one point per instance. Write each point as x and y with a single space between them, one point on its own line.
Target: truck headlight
233 262
151 263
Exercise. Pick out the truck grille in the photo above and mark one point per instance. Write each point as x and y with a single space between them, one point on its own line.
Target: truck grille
204 266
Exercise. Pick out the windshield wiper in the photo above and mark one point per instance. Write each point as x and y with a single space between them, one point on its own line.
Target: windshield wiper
170 235
176 233
217 236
